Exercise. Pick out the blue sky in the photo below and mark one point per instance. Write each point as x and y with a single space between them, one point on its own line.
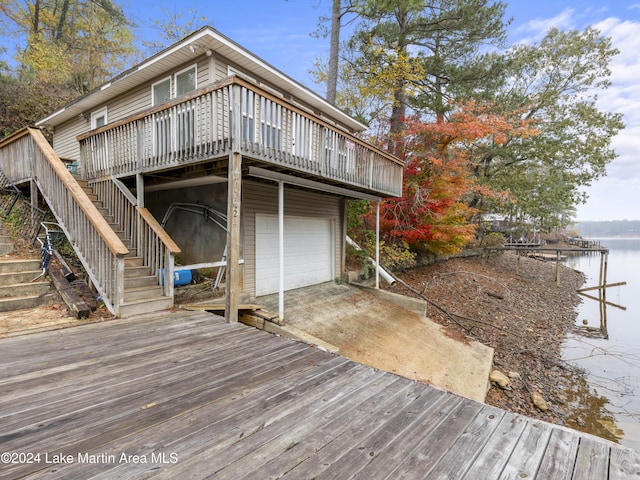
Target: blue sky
279 32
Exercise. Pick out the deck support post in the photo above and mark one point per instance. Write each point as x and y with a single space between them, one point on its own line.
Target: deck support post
234 286
234 202
33 192
119 292
281 249
378 244
140 190
558 268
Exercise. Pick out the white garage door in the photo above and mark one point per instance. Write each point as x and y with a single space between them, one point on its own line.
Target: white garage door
308 252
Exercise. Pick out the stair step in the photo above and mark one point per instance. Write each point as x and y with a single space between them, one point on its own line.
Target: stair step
18 277
145 306
17 265
132 261
24 289
21 303
142 293
137 271
122 236
6 248
137 282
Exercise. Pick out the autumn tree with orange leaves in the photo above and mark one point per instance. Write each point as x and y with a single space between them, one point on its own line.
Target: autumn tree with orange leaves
440 177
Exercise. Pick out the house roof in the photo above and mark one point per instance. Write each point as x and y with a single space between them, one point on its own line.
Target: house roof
191 47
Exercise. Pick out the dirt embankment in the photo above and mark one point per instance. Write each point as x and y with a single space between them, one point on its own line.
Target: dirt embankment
516 308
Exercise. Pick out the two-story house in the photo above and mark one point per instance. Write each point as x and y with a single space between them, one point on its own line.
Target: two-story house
205 152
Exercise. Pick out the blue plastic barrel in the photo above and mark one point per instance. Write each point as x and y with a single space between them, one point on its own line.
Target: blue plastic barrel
180 277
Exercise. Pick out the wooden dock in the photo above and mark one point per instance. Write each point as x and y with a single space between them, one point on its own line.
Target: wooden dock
187 395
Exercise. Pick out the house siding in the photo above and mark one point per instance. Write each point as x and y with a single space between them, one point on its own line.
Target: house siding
130 103
260 198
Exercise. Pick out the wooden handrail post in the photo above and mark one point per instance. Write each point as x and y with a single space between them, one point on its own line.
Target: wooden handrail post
169 263
119 300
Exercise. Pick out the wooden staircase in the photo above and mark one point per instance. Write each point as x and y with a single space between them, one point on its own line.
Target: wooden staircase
124 276
142 290
17 290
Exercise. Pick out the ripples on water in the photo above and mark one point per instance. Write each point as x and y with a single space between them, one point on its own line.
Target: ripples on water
606 343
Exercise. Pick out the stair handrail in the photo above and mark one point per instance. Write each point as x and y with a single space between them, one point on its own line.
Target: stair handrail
146 235
157 248
98 247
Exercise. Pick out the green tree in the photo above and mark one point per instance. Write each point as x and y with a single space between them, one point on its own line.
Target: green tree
554 84
67 47
417 54
79 43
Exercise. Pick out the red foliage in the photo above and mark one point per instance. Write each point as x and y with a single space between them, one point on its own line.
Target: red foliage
433 212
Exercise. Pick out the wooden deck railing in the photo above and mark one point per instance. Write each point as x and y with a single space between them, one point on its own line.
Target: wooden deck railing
16 157
198 126
157 249
144 233
98 247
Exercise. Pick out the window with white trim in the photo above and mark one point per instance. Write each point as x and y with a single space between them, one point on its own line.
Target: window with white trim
177 133
178 84
161 92
186 80
99 118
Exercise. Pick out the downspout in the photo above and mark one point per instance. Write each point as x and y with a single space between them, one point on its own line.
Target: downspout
383 273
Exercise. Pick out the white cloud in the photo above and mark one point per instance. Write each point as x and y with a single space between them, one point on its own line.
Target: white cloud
540 26
616 196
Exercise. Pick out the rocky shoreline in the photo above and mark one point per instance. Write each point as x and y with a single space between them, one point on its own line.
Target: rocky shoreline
516 307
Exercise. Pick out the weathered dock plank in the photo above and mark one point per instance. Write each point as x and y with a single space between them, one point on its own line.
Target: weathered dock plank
491 460
195 397
560 455
528 453
623 463
592 460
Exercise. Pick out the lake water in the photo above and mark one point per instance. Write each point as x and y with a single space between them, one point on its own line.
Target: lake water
606 343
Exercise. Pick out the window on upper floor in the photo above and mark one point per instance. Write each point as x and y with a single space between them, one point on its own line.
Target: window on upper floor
99 118
182 82
185 81
161 91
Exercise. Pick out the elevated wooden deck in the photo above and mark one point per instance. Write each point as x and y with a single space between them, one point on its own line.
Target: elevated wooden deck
186 395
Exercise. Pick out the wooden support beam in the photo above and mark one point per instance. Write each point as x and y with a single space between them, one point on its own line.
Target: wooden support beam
234 278
605 302
234 202
79 308
219 307
598 287
65 268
